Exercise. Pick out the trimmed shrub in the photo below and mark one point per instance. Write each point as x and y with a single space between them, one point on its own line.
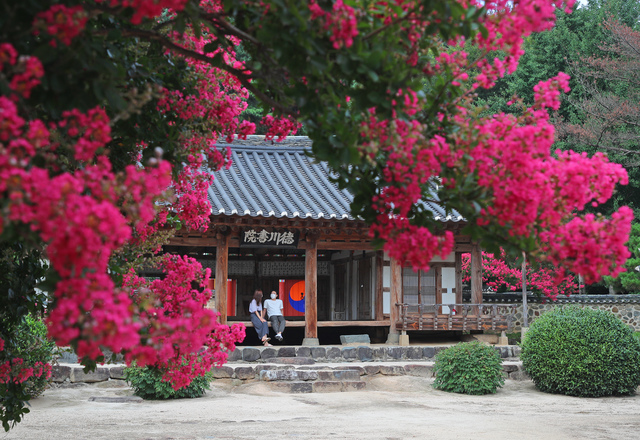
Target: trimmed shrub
469 368
147 383
581 352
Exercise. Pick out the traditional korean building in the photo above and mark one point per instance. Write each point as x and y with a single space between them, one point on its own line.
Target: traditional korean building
278 222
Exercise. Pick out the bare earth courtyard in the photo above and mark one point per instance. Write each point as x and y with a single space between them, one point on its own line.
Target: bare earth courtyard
391 408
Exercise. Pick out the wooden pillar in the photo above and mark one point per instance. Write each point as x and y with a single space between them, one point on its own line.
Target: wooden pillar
458 277
476 274
396 297
311 293
438 271
379 275
222 260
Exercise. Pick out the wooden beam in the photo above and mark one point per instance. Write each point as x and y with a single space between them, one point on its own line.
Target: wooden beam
345 245
458 277
462 247
311 294
476 274
396 294
193 241
222 260
378 295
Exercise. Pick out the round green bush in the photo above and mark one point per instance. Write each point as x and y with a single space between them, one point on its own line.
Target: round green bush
147 383
581 352
469 368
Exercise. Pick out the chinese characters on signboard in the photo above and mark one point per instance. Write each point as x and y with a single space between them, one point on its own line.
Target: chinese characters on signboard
253 237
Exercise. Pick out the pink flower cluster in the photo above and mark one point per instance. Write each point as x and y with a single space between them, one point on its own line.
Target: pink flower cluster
146 8
183 338
498 275
25 71
409 167
340 22
528 189
61 22
16 371
507 25
279 128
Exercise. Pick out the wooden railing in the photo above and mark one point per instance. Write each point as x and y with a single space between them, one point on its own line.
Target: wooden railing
459 317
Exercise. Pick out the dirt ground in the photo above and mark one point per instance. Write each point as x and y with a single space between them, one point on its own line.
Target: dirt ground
392 408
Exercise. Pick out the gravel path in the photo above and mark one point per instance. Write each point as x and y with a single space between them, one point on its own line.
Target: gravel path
392 407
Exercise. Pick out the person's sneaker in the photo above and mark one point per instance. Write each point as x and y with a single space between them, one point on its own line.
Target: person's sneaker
279 337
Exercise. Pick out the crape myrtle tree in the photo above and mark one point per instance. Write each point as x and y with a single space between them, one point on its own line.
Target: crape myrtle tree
500 273
111 109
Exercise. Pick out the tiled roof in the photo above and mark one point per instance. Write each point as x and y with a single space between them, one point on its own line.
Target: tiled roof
280 180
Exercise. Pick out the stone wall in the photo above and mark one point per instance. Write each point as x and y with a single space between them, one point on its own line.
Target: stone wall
625 307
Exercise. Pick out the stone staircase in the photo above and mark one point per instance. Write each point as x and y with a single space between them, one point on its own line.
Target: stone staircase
294 369
313 381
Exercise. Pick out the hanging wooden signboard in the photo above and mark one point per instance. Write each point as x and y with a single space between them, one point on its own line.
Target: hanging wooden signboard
264 238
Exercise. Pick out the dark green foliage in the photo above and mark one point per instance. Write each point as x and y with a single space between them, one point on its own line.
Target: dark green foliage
469 368
629 281
33 346
28 341
582 352
147 383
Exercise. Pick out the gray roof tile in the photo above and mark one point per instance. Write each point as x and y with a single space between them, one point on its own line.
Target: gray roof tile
282 181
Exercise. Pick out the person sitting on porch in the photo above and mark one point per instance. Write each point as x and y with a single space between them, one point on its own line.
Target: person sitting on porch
274 309
257 318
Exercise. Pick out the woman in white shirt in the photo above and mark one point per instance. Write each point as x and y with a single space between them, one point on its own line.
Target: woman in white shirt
257 318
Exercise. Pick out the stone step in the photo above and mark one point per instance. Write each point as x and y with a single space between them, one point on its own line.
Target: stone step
364 353
318 386
342 375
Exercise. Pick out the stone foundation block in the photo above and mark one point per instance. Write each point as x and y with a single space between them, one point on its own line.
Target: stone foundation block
60 373
287 352
357 368
318 352
99 375
392 370
334 353
288 375
293 361
372 369
268 353
380 353
250 354
396 352
429 352
235 355
510 367
304 352
223 372
519 375
340 375
414 352
292 387
349 353
365 354
116 372
327 386
355 339
419 370
245 373
354 386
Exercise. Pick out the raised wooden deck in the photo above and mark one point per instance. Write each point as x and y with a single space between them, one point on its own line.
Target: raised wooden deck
466 317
